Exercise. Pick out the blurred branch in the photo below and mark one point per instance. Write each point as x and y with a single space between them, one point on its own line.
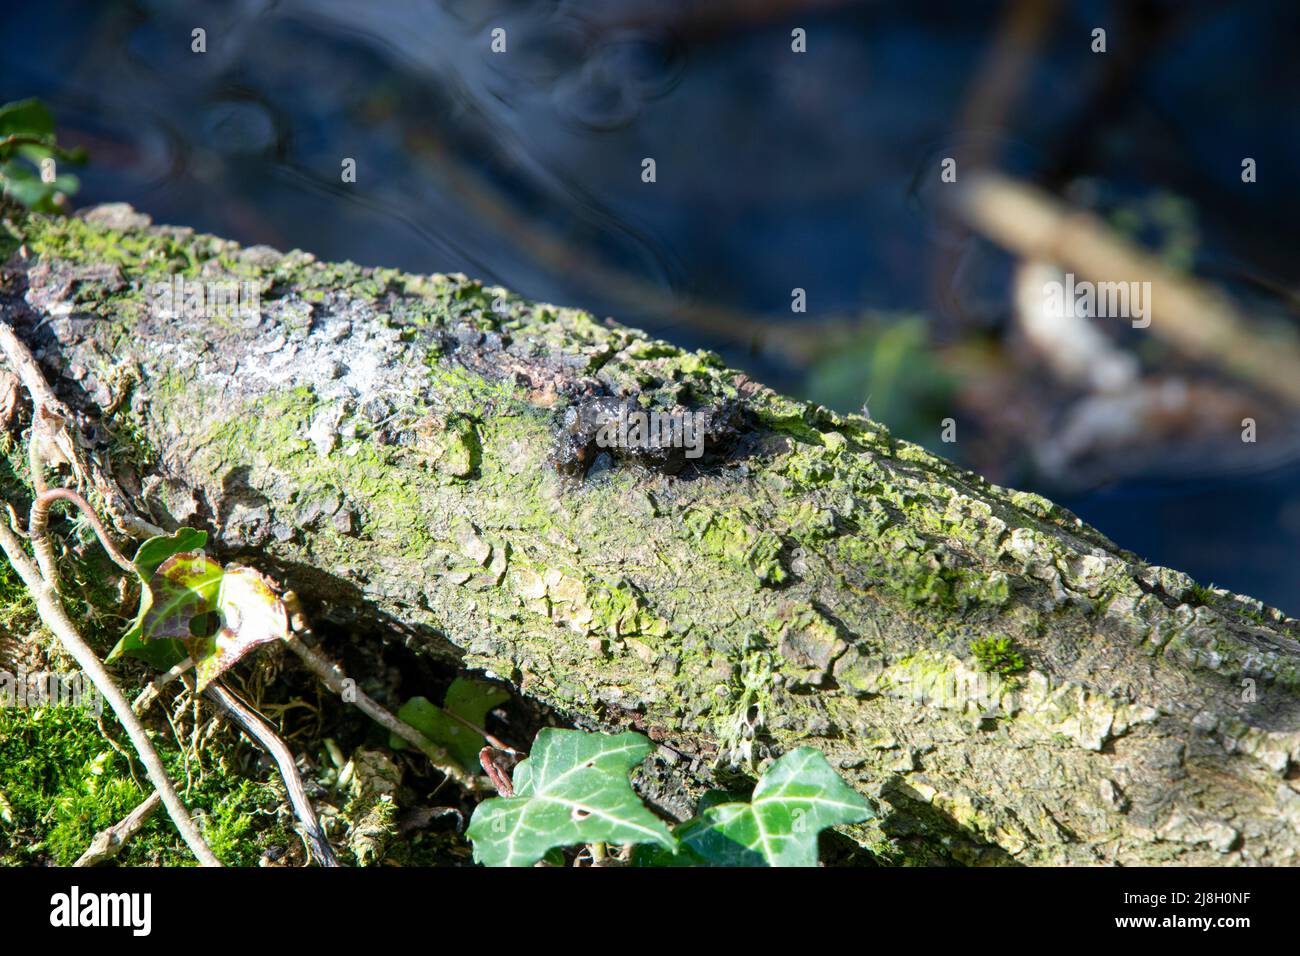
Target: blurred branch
1197 319
985 119
1003 74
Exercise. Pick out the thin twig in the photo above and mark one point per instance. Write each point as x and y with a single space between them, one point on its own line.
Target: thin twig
107 844
333 677
497 770
151 691
14 521
28 371
262 732
52 442
53 438
39 521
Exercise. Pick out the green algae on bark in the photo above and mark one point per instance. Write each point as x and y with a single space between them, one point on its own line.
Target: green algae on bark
387 445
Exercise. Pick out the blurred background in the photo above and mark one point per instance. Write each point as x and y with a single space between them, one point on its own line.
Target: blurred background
775 171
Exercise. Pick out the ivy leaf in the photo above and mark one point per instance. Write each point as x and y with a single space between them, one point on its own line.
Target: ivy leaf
468 699
573 789
155 551
218 614
190 603
161 654
798 797
25 185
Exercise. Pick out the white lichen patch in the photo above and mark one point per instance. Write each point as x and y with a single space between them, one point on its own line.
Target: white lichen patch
1275 750
323 432
337 347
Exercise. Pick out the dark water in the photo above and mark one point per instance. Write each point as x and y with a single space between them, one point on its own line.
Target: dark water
774 170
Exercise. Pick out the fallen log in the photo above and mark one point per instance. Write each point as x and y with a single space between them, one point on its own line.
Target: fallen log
425 451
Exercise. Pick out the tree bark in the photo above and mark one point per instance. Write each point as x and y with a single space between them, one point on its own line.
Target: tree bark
418 450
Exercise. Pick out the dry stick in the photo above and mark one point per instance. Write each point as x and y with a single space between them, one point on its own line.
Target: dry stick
333 677
28 372
107 844
1192 316
262 732
56 619
151 691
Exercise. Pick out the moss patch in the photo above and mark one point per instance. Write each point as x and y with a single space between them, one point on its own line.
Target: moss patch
997 656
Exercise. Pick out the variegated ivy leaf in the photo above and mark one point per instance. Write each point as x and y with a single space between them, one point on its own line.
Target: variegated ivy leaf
191 604
220 614
798 797
573 789
161 654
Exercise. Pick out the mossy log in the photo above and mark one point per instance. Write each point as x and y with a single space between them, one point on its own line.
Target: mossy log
405 449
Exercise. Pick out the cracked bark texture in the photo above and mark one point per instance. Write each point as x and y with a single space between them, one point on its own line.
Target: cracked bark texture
406 449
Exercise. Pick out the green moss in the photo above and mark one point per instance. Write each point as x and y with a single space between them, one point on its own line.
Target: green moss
465 393
17 610
462 450
788 417
1035 504
62 783
274 429
996 655
808 522
76 240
